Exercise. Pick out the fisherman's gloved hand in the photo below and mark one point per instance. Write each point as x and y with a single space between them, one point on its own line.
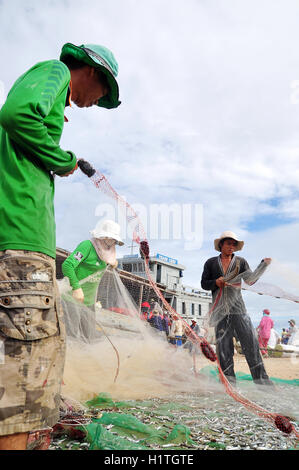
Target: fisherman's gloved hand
78 295
144 249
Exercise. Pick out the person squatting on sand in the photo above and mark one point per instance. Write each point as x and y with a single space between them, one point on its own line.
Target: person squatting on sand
31 324
229 316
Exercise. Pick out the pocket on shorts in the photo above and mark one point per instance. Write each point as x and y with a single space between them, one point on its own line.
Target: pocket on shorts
27 298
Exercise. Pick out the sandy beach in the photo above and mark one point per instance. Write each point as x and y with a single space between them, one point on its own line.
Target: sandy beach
286 368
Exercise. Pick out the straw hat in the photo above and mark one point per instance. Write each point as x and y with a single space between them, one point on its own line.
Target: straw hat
228 234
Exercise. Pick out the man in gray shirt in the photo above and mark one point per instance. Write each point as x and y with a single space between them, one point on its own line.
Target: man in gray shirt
223 275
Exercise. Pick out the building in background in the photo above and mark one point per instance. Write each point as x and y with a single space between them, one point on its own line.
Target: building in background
189 302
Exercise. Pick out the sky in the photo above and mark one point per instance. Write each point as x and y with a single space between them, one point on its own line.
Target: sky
209 121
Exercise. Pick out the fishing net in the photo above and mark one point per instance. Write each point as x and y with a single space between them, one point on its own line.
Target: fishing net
213 372
116 428
107 424
111 348
230 319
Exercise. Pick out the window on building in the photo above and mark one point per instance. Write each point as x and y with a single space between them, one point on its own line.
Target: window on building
192 309
134 267
151 266
140 267
199 310
159 270
127 267
183 308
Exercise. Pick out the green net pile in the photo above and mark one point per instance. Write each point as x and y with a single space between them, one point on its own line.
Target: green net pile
152 424
240 376
117 429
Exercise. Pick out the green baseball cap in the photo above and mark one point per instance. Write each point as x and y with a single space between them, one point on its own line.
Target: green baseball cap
101 58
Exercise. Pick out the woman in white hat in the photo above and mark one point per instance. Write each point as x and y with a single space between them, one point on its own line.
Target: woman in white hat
90 257
293 333
229 316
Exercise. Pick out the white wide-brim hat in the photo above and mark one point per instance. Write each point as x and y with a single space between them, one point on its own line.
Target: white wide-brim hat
107 229
228 234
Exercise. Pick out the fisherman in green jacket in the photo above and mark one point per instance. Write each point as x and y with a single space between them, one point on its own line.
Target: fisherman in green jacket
90 258
32 338
82 263
84 269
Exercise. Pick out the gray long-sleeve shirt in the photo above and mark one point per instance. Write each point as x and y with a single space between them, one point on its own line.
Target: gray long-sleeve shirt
231 301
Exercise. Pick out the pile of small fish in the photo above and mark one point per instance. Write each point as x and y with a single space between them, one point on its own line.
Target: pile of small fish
215 421
222 424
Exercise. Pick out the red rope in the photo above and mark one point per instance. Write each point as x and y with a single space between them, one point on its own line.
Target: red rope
139 236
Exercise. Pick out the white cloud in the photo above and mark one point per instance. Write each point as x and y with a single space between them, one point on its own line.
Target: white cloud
207 114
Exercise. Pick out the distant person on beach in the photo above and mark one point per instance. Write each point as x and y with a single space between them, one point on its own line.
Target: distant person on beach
31 321
156 320
222 275
145 311
190 344
284 336
292 333
166 322
264 331
176 331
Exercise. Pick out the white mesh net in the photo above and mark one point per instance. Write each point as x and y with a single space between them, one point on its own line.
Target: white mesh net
112 348
130 359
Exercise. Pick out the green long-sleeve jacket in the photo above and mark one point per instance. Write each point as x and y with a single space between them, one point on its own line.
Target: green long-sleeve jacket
31 124
80 264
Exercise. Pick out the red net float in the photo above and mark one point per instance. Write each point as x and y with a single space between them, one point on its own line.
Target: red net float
283 424
39 440
144 249
208 351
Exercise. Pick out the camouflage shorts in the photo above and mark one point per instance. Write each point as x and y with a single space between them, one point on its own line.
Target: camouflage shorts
32 342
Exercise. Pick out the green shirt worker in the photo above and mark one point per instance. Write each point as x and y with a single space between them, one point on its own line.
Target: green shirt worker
84 268
31 324
91 257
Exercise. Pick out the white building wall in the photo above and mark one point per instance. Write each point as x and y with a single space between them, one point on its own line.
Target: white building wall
188 315
170 277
